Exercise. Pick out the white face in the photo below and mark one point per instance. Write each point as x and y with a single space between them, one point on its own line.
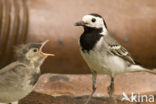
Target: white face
93 21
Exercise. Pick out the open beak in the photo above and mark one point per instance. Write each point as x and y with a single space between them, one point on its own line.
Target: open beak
80 23
41 52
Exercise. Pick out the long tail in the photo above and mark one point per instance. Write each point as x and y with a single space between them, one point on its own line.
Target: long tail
137 68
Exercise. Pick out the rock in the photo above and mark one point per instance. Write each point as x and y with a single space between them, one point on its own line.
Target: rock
74 89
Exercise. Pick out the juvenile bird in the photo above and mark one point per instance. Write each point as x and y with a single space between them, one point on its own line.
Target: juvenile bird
20 77
102 53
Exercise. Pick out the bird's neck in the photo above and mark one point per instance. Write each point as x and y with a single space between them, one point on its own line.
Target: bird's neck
89 38
104 31
90 30
23 60
35 64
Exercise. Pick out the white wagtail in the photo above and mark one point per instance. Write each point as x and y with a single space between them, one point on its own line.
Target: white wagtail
102 53
19 78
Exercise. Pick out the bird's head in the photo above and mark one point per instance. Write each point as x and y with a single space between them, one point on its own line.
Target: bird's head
92 21
32 52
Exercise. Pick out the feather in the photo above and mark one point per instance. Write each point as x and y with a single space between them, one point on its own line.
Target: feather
116 49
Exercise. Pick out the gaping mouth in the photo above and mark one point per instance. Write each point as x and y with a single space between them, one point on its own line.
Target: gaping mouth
41 52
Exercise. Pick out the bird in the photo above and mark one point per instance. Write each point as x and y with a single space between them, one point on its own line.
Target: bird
20 77
103 53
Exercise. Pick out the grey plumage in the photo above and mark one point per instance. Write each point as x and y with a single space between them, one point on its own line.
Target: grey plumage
15 82
20 77
116 49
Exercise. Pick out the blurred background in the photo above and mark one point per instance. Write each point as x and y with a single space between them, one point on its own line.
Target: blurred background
132 23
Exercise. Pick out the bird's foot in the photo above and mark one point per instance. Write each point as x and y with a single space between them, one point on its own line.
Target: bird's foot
111 89
89 98
112 99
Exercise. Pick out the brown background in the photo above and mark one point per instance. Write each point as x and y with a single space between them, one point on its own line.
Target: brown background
132 23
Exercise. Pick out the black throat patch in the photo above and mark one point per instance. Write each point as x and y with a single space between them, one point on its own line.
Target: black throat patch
89 38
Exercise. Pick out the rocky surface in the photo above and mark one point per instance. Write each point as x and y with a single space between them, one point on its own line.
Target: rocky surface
74 89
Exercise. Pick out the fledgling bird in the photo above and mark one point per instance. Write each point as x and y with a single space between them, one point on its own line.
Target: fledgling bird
20 77
102 53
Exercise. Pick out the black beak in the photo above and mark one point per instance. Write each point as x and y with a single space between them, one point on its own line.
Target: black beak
80 23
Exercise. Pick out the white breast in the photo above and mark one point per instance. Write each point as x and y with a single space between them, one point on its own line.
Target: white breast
98 60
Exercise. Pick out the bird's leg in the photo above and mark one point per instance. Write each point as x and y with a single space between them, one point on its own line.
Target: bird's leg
94 74
111 87
110 92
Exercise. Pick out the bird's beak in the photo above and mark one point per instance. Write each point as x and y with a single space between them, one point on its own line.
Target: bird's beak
80 23
41 52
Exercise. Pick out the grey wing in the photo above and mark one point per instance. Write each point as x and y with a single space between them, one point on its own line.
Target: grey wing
12 74
116 49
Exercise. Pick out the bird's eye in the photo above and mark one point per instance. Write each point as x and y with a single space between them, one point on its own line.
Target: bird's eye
35 50
93 20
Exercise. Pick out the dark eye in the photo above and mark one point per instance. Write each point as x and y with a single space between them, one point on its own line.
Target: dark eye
35 50
93 19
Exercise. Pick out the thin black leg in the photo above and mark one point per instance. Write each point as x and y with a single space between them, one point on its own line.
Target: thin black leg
94 74
111 87
112 99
